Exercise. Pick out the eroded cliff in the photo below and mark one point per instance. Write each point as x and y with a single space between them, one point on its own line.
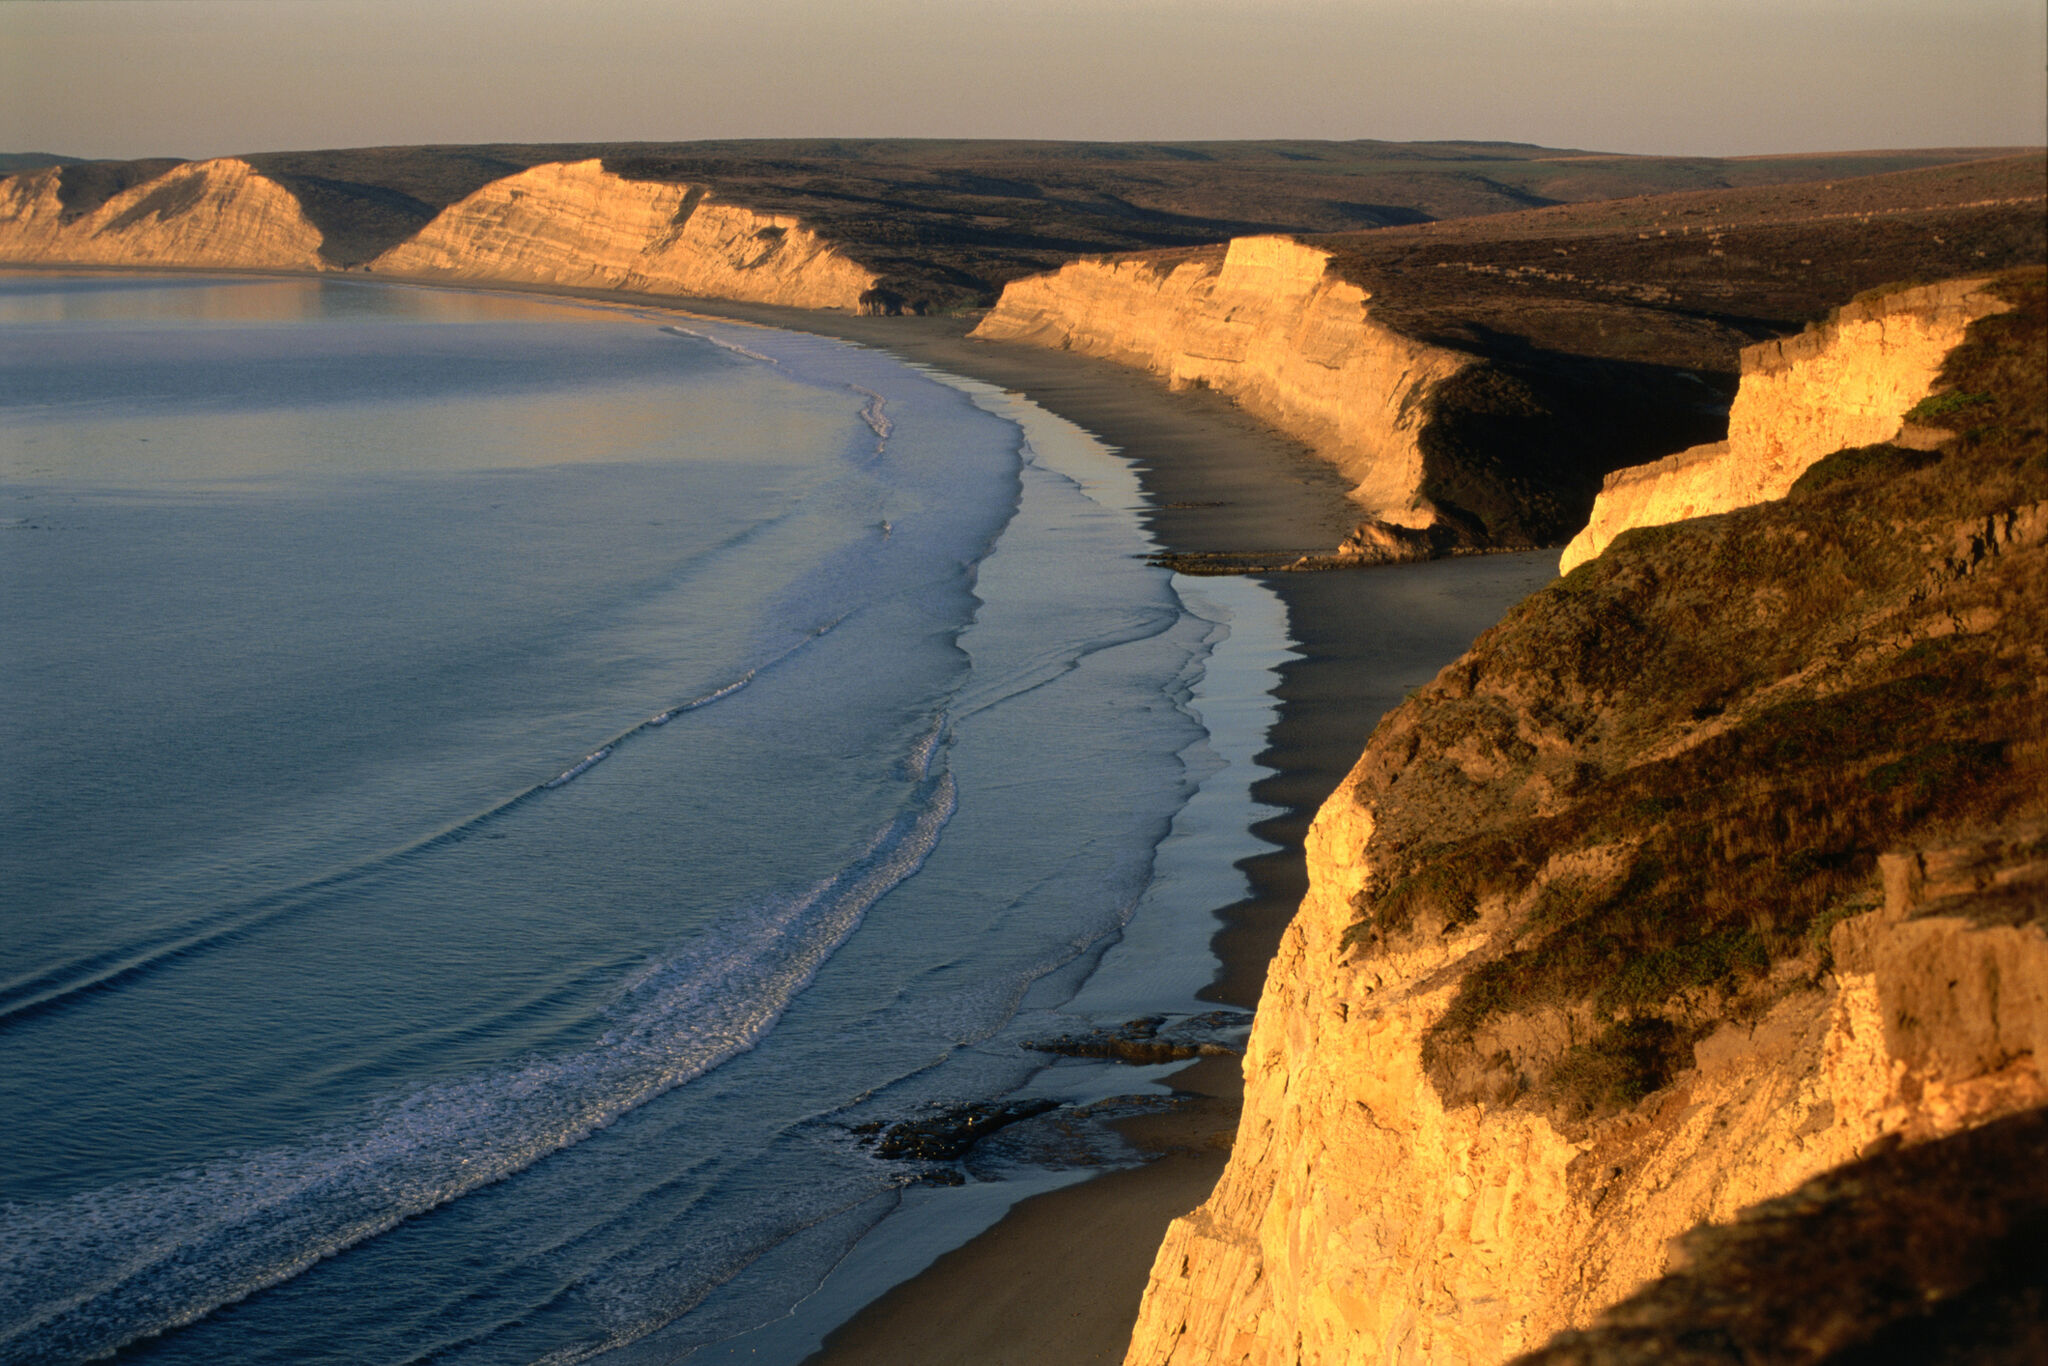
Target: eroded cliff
575 223
212 214
1715 865
1266 324
1445 448
1848 382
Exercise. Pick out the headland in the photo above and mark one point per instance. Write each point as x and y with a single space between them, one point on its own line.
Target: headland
1683 928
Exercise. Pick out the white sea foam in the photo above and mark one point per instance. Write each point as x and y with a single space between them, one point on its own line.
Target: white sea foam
875 413
89 1274
922 751
577 770
721 343
55 986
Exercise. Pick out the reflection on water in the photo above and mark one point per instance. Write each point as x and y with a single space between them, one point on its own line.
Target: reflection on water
44 297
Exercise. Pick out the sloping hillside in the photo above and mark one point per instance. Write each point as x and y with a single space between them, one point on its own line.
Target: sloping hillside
1476 380
1714 866
944 223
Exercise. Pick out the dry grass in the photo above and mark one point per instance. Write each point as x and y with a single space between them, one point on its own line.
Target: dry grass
1744 711
948 221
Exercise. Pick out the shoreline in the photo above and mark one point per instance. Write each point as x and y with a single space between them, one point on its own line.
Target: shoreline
1057 1279
1059 1276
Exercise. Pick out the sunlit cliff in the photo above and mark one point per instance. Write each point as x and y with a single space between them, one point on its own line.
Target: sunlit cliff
1718 865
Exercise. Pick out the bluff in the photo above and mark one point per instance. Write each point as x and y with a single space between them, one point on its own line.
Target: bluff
944 223
578 224
216 214
557 223
1848 382
1475 379
1445 448
1718 865
1264 322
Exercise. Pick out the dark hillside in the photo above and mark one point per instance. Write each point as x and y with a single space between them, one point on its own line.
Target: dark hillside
84 186
367 201
1936 1255
1611 331
1723 723
948 222
14 162
1689 279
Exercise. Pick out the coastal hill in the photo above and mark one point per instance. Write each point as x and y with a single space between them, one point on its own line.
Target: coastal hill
1476 380
1716 873
1506 334
945 224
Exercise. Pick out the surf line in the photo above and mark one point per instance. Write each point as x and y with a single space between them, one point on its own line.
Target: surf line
244 1222
874 413
62 985
675 330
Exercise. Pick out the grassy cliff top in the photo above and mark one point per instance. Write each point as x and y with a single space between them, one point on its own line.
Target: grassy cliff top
1666 777
1687 279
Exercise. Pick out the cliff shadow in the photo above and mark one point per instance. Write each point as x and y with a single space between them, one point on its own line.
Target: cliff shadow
1514 448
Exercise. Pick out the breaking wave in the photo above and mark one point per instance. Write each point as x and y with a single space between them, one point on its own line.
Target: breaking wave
89 1274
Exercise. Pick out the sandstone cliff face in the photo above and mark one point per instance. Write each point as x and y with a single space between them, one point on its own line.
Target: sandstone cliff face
1707 871
562 224
1361 1220
31 214
1848 383
210 214
1270 327
575 223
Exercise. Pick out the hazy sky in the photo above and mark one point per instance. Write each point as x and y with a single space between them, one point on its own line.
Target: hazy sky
125 78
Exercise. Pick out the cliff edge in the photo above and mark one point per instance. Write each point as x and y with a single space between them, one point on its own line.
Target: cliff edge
578 224
1476 379
1716 866
560 223
1266 323
1849 382
1445 449
216 214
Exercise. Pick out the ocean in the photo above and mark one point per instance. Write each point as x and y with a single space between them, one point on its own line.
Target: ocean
502 795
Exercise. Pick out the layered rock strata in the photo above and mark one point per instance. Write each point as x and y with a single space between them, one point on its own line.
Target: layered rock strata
577 224
1707 871
563 223
1849 382
1268 325
1363 1220
210 214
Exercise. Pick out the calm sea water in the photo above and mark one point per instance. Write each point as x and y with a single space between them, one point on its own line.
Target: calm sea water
495 790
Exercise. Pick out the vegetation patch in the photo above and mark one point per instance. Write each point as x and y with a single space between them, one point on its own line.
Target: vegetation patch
1731 719
1882 461
1941 405
1926 1252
